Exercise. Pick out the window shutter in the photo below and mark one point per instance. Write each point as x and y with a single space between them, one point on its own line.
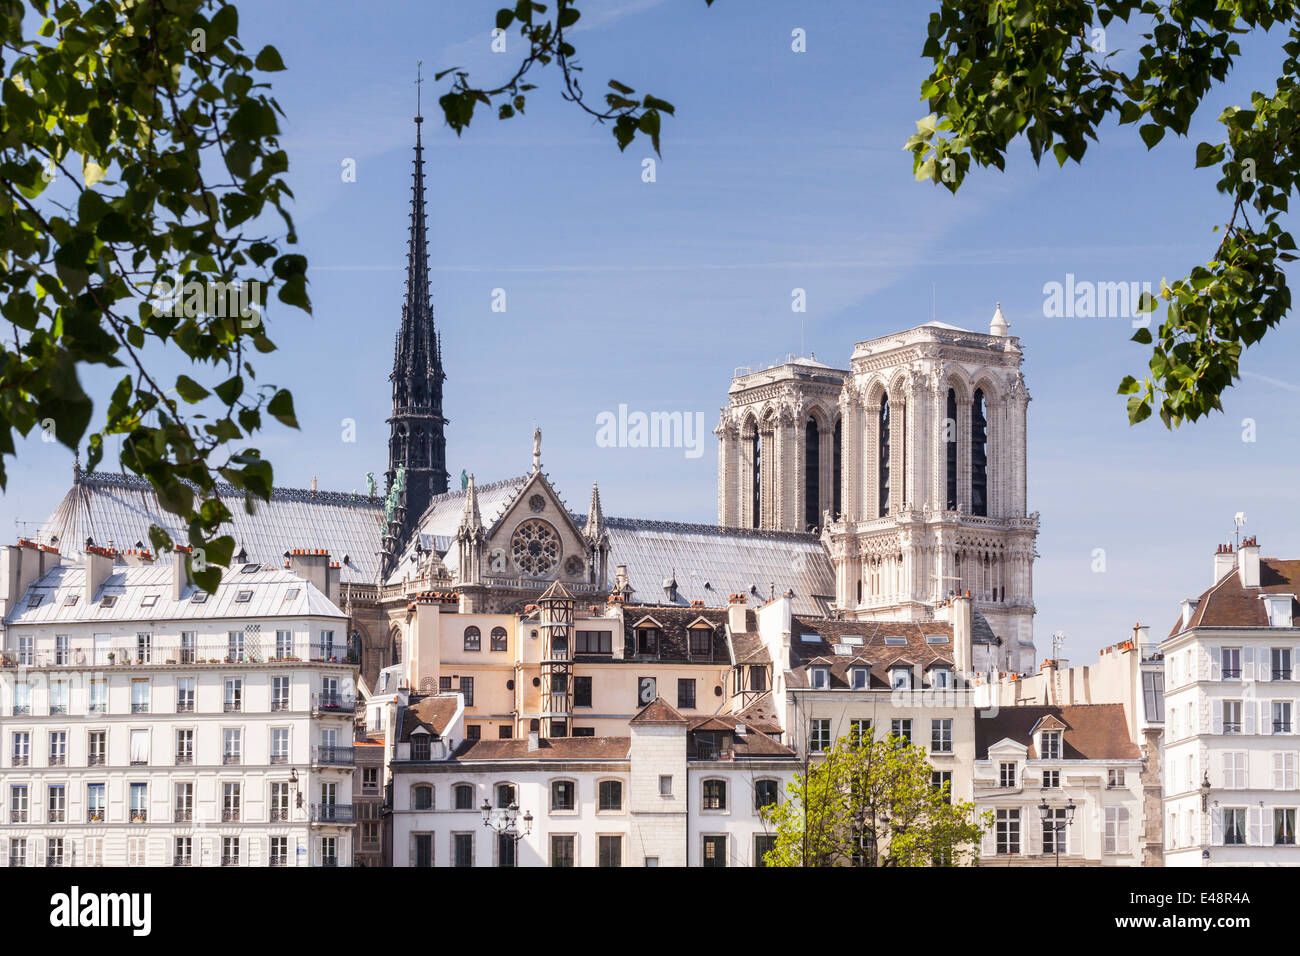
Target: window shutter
1279 773
1248 716
1265 664
1256 835
1217 725
1216 658
1216 827
1248 663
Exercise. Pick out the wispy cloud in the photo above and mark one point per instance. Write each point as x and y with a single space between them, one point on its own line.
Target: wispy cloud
1275 382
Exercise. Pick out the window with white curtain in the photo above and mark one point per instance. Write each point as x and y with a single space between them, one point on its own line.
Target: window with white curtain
139 746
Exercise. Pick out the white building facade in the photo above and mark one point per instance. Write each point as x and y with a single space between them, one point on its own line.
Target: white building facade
146 722
1232 695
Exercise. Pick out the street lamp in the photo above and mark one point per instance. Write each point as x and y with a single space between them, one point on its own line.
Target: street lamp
1205 793
1054 823
504 821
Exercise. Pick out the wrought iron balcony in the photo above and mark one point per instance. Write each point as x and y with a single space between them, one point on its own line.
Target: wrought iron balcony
279 859
279 814
22 710
95 816
139 708
233 706
184 760
229 860
1231 673
95 760
183 816
1281 726
329 861
230 815
333 703
58 760
140 816
278 704
1231 727
336 653
185 707
332 813
21 760
182 859
230 759
279 758
17 816
335 756
1282 674
58 816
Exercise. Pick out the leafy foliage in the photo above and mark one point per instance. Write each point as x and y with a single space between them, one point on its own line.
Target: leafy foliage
138 153
1040 69
871 803
548 42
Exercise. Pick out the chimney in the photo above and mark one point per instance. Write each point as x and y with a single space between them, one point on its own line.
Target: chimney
1225 560
620 578
963 624
23 565
313 566
180 572
1248 563
136 557
99 565
736 614
1142 641
533 741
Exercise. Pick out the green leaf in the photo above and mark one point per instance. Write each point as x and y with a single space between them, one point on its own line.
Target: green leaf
268 60
1151 134
190 390
281 408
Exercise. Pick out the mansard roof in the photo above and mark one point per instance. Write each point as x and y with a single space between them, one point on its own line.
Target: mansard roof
116 511
1091 731
548 748
872 651
1229 604
674 626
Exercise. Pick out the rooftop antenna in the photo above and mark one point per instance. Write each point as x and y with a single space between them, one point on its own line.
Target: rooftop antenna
1058 644
1239 519
419 79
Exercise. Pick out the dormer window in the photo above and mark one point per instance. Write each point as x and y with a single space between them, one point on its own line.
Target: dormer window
701 641
1278 609
900 677
420 747
1049 747
941 677
647 641
1007 774
821 678
858 677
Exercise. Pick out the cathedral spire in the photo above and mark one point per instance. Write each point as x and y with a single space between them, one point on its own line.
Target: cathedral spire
416 429
595 529
470 519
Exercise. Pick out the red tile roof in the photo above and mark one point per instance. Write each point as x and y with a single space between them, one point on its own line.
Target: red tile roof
1092 731
1228 604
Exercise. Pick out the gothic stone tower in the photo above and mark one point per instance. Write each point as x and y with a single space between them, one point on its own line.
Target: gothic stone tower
416 440
928 453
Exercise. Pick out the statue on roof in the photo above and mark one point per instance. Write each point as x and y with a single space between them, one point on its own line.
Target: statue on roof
370 483
537 448
464 480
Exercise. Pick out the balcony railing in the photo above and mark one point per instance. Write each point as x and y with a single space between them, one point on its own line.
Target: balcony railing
58 760
95 816
21 761
182 859
1231 673
229 860
185 707
278 704
230 815
279 859
95 760
332 813
184 760
233 707
58 709
256 649
17 816
140 816
230 759
1282 673
98 707
279 814
333 703
139 708
58 816
1281 726
183 816
1231 727
22 710
329 861
335 756
279 758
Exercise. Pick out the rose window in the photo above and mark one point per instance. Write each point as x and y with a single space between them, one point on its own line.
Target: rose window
536 547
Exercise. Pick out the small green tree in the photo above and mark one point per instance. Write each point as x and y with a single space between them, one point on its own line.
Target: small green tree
872 803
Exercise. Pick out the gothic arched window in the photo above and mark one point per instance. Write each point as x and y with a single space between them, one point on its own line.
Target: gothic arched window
812 457
396 646
883 452
979 479
950 444
836 452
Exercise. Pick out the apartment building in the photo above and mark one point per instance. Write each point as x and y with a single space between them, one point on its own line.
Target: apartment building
669 791
148 722
1231 796
1064 784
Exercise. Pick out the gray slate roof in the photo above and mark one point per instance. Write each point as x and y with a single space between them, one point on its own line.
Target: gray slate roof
116 511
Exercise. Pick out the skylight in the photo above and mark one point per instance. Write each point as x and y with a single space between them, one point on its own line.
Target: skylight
199 597
854 640
290 594
149 600
250 568
810 637
895 641
936 638
243 597
108 600
35 600
70 600
842 650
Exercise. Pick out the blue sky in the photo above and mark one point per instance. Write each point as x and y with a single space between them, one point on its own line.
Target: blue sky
781 170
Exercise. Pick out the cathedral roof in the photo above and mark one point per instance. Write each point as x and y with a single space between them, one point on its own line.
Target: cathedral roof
116 510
